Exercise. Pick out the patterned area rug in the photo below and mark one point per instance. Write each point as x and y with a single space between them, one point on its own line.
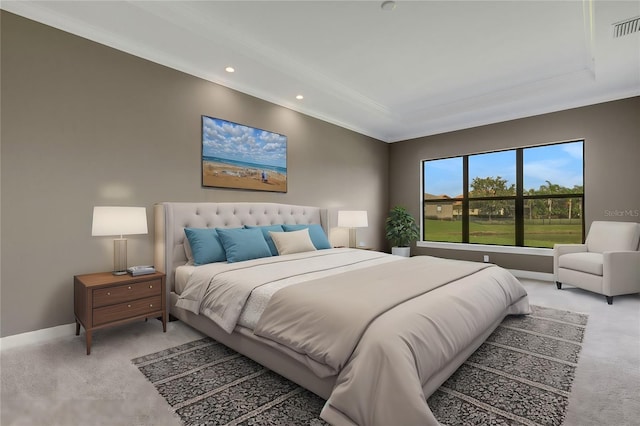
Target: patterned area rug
521 375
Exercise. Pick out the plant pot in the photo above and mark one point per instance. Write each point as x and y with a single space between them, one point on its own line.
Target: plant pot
401 251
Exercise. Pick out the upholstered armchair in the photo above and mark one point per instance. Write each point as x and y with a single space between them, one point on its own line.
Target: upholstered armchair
608 263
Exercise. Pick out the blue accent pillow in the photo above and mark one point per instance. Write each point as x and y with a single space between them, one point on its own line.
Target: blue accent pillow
205 245
318 237
265 232
243 244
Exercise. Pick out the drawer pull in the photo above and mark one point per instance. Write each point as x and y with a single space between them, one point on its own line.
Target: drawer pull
129 287
128 306
151 305
150 286
108 293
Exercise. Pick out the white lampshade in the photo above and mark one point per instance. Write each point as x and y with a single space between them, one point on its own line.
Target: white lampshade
352 219
119 221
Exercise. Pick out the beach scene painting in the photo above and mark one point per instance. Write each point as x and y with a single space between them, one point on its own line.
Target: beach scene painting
242 157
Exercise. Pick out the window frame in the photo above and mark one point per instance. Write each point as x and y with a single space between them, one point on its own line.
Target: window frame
519 198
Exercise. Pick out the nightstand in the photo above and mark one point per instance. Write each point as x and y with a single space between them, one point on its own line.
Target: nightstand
103 300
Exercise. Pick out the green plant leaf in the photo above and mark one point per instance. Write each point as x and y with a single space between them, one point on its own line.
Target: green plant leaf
401 228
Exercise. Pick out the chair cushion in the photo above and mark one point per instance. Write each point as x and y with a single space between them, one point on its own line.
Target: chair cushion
613 236
590 263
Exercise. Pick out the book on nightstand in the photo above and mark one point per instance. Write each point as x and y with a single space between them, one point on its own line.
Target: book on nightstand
141 270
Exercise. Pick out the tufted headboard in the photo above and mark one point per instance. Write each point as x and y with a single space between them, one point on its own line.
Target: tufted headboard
172 218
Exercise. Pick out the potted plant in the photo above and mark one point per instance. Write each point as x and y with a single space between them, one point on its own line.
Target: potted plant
401 231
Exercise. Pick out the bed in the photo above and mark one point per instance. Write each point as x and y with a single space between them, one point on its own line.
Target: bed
373 334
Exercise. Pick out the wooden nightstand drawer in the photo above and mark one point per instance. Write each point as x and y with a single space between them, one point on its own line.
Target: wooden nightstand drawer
126 310
103 300
125 293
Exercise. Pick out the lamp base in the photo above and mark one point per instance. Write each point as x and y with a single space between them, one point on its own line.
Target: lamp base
352 238
119 256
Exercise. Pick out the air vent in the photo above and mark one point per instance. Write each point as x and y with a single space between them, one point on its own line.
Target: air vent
626 27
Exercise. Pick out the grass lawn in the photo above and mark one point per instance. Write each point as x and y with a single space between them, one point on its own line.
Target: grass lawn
503 233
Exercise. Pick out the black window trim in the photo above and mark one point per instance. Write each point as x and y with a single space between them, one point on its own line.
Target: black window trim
519 197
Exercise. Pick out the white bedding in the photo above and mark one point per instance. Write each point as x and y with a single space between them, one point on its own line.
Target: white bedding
388 330
183 273
385 331
237 293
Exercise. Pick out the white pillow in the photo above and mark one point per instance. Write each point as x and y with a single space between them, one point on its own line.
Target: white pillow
187 251
293 241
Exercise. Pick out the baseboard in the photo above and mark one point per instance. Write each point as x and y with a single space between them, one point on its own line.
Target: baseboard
532 275
37 336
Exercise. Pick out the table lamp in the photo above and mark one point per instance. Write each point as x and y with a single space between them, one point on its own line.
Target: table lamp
119 221
352 219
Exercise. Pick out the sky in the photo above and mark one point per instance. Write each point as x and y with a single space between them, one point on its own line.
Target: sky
232 141
560 164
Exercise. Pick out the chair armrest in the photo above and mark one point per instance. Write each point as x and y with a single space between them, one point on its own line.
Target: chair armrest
621 272
560 249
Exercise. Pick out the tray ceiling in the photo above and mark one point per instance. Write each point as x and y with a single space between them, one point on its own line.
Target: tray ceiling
424 68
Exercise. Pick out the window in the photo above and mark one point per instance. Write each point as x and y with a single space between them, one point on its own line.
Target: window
442 206
527 197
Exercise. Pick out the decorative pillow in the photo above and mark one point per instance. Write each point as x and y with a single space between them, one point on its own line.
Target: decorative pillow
319 238
243 244
265 232
293 241
205 246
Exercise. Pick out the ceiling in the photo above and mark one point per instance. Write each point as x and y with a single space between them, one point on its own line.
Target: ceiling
424 68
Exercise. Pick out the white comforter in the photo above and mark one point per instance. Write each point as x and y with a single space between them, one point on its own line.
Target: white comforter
386 331
222 291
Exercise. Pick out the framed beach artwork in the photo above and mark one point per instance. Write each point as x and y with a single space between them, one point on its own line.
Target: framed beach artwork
242 157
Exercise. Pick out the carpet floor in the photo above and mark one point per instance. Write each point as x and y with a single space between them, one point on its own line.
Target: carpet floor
521 375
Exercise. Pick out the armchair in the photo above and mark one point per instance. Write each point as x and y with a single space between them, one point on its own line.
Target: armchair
607 263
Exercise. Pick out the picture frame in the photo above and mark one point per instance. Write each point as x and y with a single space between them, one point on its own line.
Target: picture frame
238 156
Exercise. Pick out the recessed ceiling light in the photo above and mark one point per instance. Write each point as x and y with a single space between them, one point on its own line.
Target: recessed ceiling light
299 97
388 5
230 69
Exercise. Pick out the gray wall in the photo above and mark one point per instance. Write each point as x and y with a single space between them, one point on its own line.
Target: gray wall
611 132
86 125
